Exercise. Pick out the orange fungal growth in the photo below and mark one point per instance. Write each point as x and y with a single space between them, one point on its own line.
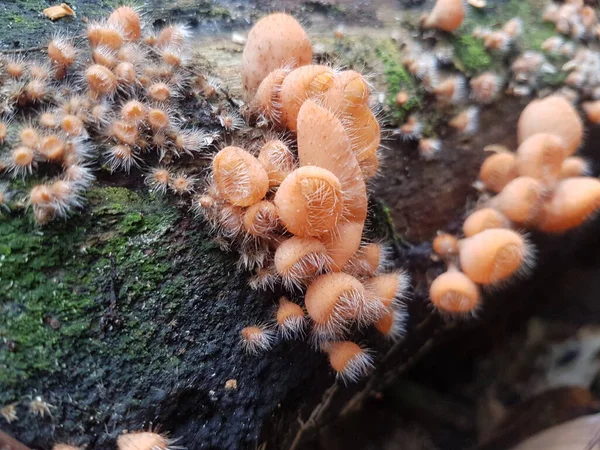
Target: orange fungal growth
158 118
349 360
445 245
134 112
498 170
267 101
173 35
575 201
129 20
260 219
520 200
454 293
466 122
392 324
301 84
40 195
485 87
125 73
390 288
15 67
334 300
275 41
107 34
143 440
451 90
65 447
72 125
446 15
100 79
182 183
493 256
22 161
257 339
124 132
484 219
310 201
291 321
552 115
364 131
158 179
161 92
239 176
592 111
541 156
61 52
299 259
105 56
278 161
52 148
574 166
122 157
29 137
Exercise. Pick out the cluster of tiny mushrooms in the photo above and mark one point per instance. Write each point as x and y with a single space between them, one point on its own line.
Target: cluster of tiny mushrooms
295 205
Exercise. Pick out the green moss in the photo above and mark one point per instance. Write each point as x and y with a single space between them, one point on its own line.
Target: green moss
397 79
471 57
68 273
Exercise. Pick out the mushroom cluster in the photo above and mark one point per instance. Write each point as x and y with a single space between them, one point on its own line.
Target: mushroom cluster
574 18
114 96
542 186
296 208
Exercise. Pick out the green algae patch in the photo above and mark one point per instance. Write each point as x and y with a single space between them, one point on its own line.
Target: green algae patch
470 55
398 79
70 283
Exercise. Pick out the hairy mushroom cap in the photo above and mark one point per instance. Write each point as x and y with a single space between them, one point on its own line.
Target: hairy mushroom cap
390 288
445 245
323 142
494 255
484 219
592 111
498 170
277 159
129 20
290 318
364 132
275 41
520 200
552 115
298 86
349 360
333 301
260 219
309 201
144 440
267 100
100 79
575 200
392 324
298 259
454 293
239 176
541 156
574 166
446 15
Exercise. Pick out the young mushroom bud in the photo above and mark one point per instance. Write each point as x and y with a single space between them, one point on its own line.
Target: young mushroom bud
498 170
275 41
239 176
575 200
454 293
494 256
484 219
446 15
349 360
299 259
552 115
309 201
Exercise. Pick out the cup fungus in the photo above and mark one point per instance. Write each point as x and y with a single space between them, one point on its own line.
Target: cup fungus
494 256
291 321
349 360
483 219
498 170
454 293
541 156
446 15
552 115
520 200
239 176
256 339
275 41
299 259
